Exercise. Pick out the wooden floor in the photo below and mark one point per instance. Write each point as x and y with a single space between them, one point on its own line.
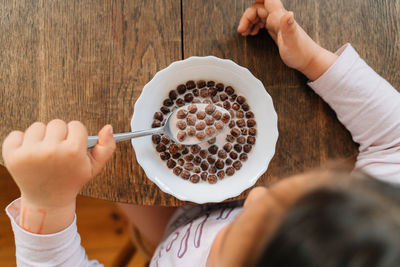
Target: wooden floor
102 227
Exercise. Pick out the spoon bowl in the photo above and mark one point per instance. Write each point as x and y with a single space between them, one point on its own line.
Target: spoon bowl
167 129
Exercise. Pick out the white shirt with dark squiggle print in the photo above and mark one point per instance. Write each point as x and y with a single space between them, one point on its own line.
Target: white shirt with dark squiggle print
189 244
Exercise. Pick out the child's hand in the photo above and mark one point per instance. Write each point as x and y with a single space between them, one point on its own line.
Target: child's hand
296 48
50 164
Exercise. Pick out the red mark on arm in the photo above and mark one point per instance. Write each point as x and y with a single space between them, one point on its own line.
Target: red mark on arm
32 220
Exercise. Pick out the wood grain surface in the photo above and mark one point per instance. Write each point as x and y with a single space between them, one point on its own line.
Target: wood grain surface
89 60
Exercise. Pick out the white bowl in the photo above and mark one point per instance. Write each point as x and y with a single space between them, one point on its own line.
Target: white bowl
244 83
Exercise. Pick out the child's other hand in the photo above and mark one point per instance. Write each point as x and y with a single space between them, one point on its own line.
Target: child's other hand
296 48
50 164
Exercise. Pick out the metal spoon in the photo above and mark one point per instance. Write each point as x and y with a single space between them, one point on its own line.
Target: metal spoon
166 129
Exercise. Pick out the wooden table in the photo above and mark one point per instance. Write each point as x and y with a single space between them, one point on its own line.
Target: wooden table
89 60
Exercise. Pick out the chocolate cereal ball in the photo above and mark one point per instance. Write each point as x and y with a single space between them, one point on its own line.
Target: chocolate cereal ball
165 156
181 136
226 105
217 115
240 123
212 179
253 131
210 83
249 115
210 131
247 148
173 148
200 135
173 95
209 120
227 147
233 155
241 140
230 171
168 102
212 140
161 147
222 154
219 164
201 84
204 176
191 131
191 120
158 116
220 87
177 170
251 123
156 138
171 163
201 125
210 108
155 124
180 102
195 149
251 140
181 114
243 157
219 125
165 140
235 132
228 162
241 99
221 175
164 110
190 84
188 166
229 90
245 107
213 149
195 178
181 89
185 174
189 157
203 153
188 97
237 165
181 125
204 165
201 115
192 108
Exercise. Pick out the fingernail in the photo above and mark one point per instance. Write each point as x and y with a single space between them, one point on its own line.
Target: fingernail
290 21
111 129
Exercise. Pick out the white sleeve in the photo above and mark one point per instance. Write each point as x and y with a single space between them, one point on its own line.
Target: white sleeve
369 107
58 249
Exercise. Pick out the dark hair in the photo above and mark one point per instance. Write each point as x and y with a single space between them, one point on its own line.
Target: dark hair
357 225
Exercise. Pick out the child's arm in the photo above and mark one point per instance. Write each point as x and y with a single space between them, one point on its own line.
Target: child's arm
365 103
50 164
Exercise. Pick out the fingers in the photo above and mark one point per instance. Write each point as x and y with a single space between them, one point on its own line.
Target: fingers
273 5
288 27
257 28
103 150
56 131
251 16
77 134
35 133
12 142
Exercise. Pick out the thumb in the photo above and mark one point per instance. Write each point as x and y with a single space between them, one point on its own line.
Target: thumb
103 150
288 27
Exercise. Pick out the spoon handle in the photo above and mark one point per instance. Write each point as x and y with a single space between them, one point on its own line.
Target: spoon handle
92 140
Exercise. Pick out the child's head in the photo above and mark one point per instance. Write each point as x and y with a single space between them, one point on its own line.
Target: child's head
321 218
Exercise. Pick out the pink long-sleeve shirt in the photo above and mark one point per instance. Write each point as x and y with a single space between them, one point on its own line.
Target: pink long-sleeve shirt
364 102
